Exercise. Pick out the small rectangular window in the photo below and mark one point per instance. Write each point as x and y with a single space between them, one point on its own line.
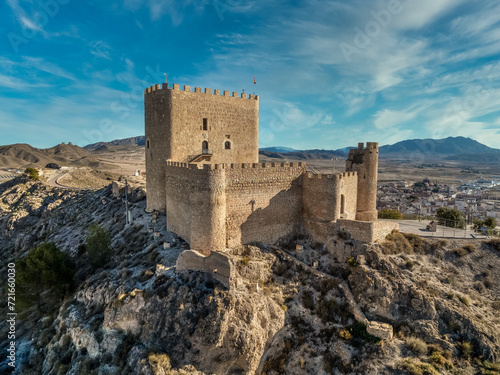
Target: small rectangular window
205 124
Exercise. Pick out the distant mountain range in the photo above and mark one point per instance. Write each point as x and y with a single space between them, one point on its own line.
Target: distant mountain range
440 147
22 155
451 148
446 146
133 141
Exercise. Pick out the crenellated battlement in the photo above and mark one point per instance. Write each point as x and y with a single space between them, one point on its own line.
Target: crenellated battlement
177 164
207 91
361 147
337 176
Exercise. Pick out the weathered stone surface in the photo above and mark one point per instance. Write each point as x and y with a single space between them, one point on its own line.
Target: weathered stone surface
217 264
381 330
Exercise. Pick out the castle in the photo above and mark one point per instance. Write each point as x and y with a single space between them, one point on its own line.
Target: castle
203 170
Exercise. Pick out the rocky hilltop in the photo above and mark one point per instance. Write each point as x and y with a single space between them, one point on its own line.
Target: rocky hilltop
306 309
24 155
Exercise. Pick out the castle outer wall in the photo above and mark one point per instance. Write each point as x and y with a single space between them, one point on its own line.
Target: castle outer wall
224 205
184 124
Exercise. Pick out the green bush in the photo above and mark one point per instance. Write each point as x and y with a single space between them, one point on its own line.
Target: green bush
43 275
98 246
358 331
466 349
450 217
32 173
386 213
489 223
440 361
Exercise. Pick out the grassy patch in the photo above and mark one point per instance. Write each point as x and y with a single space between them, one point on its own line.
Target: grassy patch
416 345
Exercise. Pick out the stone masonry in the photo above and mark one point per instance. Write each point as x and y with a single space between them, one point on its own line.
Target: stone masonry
202 169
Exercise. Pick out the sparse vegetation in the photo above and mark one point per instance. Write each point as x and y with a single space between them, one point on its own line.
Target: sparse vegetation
416 345
396 243
440 361
464 300
352 262
98 246
345 334
417 367
466 349
358 331
44 276
245 261
386 213
32 173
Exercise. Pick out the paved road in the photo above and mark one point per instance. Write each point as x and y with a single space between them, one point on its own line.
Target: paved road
419 227
53 181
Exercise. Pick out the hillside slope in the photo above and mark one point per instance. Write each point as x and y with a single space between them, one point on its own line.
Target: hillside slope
137 316
23 155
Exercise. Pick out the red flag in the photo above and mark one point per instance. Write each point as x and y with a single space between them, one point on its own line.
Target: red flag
254 81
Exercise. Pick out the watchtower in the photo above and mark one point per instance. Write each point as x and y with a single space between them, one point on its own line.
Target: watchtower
194 126
365 162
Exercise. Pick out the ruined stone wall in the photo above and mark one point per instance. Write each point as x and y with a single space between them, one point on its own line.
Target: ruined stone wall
264 201
365 162
327 198
382 228
217 264
367 231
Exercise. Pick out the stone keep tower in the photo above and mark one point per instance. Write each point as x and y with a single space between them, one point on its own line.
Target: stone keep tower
195 126
365 162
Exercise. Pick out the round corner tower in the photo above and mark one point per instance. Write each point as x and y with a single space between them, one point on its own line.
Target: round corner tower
365 162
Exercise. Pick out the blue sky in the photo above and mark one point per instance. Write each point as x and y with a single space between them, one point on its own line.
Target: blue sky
329 73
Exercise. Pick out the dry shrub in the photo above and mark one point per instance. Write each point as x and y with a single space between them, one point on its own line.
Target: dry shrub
494 244
417 346
470 248
419 244
396 243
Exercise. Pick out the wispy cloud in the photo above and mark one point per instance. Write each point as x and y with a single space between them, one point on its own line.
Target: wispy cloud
23 18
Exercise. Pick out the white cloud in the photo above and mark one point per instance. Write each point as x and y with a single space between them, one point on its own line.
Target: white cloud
23 18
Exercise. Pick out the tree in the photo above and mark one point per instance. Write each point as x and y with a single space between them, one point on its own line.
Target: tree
44 275
450 218
386 213
98 245
490 222
32 173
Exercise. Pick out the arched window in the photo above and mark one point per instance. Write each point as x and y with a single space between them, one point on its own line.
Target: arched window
204 145
342 204
227 145
147 143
